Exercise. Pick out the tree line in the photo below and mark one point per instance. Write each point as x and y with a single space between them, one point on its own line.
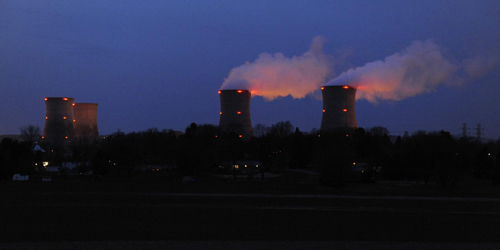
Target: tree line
430 157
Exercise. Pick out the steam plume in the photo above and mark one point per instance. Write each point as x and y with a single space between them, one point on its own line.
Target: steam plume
417 69
272 76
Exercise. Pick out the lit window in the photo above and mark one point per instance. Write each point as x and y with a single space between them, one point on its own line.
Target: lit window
236 166
256 166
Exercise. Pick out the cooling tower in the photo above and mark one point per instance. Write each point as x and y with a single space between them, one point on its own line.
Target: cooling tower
85 121
235 112
58 130
338 107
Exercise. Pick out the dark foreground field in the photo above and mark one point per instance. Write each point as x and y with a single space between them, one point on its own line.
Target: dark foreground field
137 215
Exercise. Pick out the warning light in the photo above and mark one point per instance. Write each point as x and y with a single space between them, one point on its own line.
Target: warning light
319 135
240 136
324 111
239 112
46 99
345 110
64 117
216 136
345 87
65 99
219 91
346 135
239 91
322 88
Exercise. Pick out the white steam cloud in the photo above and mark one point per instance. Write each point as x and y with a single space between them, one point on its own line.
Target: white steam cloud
272 76
417 69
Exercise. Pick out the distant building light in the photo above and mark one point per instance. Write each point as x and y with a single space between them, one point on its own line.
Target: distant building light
64 117
65 137
324 111
239 91
322 88
65 99
239 112
46 98
221 112
345 87
236 166
219 92
240 136
46 117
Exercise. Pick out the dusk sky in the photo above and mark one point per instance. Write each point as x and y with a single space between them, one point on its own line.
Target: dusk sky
424 65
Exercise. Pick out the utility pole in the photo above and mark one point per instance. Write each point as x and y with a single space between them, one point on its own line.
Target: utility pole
464 130
479 131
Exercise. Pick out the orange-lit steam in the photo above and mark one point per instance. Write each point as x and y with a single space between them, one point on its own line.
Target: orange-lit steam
272 76
417 69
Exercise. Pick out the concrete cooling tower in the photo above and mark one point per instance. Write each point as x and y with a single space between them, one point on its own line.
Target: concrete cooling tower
235 112
338 107
58 130
85 121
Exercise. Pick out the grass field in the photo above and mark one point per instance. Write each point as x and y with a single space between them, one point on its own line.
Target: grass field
259 212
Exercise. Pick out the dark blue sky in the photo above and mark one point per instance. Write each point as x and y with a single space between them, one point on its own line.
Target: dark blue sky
160 63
